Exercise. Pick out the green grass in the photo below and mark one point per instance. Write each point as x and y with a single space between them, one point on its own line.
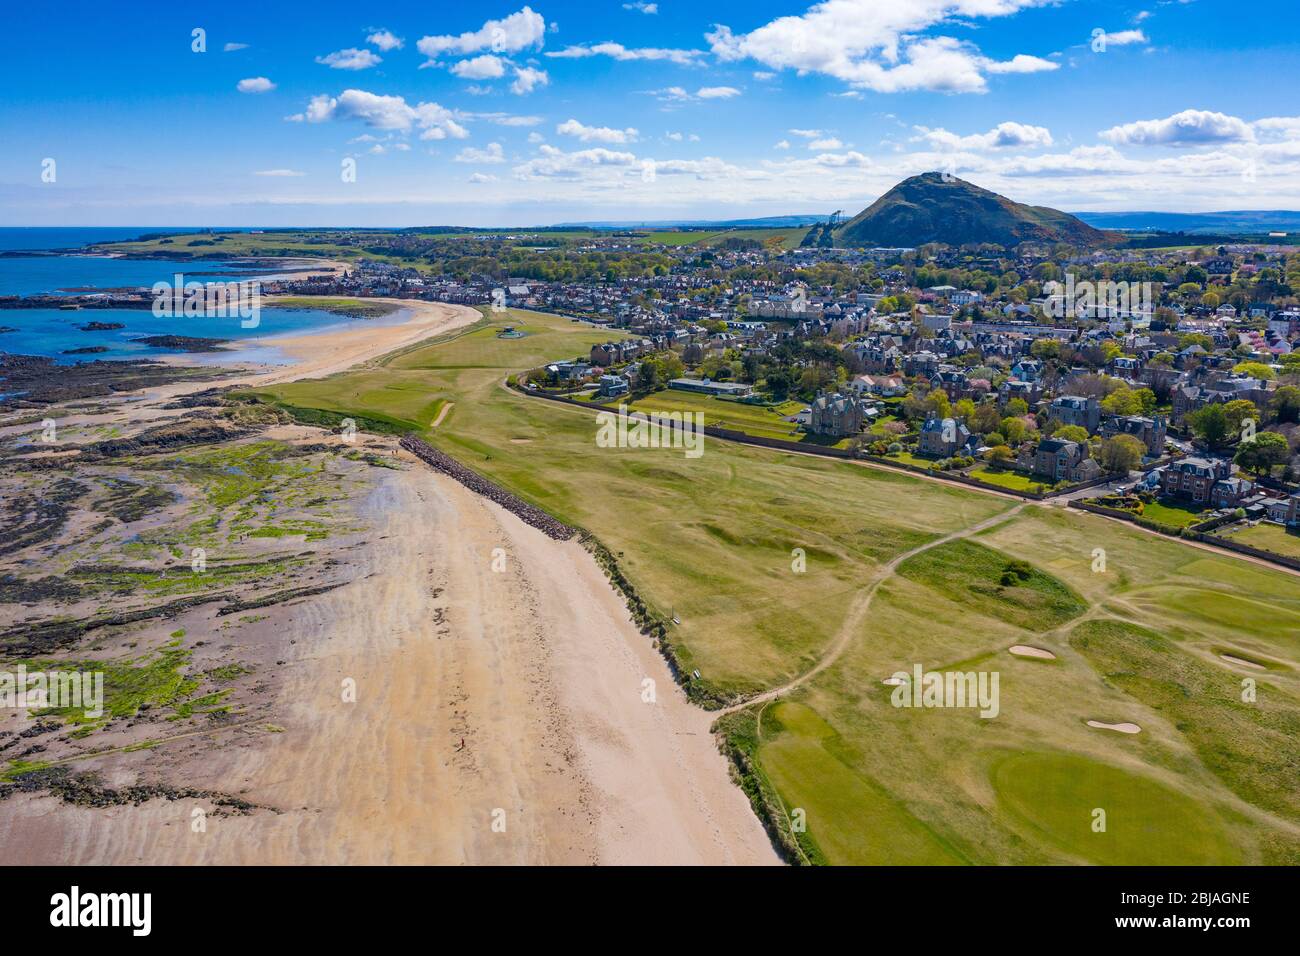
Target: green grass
1008 479
1267 537
758 420
1055 796
977 578
805 758
356 308
1251 746
1172 514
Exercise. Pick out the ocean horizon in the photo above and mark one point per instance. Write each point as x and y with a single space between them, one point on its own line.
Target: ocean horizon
60 334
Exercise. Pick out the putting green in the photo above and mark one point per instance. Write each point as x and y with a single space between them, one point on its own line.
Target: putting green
1055 795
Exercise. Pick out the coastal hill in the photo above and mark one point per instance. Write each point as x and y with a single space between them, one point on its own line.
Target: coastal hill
934 208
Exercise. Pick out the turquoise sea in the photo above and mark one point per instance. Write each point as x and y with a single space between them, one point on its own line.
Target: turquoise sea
57 333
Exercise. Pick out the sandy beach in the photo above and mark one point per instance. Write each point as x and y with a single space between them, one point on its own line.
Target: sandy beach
506 710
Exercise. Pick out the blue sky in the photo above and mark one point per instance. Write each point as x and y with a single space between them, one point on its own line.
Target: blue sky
513 114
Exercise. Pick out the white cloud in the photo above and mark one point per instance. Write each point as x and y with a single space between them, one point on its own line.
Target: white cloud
255 84
1123 38
675 137
596 134
552 163
619 52
829 142
717 92
1002 136
504 119
519 31
485 67
783 144
536 137
642 7
876 46
527 79
805 133
278 173
386 40
383 112
350 59
1020 63
493 154
1188 128
482 178
232 47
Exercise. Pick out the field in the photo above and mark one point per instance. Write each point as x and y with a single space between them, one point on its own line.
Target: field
1008 479
756 420
1172 515
1268 537
810 581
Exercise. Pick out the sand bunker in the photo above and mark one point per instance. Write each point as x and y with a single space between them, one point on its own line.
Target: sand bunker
521 441
1124 728
1243 662
1024 650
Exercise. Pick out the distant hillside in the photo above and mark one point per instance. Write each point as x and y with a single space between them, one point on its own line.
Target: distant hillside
930 208
767 222
1228 221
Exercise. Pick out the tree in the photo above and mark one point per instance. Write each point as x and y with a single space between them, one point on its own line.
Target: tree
1121 454
1122 401
1018 407
1286 404
1209 423
1075 433
998 455
1237 411
1255 370
1263 452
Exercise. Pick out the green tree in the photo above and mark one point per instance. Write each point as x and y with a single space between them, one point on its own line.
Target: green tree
1255 370
1263 452
1286 404
1210 424
1121 454
1072 433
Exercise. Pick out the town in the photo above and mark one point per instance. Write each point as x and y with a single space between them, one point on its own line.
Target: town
1175 407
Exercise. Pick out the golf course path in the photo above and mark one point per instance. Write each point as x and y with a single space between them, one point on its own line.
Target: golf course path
857 612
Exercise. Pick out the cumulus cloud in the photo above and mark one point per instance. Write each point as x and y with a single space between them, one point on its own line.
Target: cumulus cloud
1188 128
596 134
619 52
519 31
350 59
482 178
527 79
877 46
386 40
233 47
278 173
493 154
383 112
1002 136
255 84
1122 38
717 92
552 163
485 67
829 142
642 7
